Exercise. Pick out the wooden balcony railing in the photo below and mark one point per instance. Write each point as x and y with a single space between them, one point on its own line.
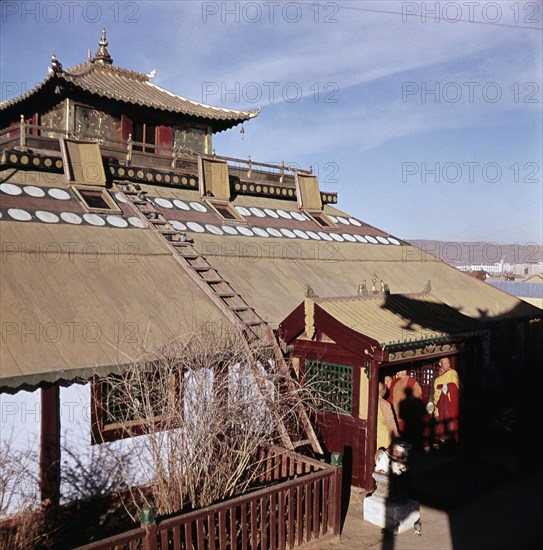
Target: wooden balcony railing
301 504
26 135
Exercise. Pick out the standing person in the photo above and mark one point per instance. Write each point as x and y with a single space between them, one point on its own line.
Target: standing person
447 401
404 386
386 425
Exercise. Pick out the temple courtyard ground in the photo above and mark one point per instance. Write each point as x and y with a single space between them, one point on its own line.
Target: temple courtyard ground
480 501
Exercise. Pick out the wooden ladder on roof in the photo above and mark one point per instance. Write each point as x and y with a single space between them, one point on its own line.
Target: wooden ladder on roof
254 330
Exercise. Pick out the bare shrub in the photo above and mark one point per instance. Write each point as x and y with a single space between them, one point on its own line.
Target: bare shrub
18 485
203 407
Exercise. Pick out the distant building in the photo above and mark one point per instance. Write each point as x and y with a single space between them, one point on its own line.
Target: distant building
530 290
501 268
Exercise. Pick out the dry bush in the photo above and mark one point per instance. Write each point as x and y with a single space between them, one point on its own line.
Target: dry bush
23 529
205 405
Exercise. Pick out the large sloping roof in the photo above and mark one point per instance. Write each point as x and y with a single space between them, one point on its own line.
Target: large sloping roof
85 292
279 250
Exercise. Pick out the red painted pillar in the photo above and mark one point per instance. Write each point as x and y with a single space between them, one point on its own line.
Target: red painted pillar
50 445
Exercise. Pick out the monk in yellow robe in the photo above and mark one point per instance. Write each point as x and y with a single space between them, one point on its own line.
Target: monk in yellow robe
386 425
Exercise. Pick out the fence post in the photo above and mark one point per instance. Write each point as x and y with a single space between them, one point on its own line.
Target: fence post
334 511
22 131
129 150
149 541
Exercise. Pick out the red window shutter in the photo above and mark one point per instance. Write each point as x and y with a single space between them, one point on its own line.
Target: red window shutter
15 132
127 127
164 137
34 121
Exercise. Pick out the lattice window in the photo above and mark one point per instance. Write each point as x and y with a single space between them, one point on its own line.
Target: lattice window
331 386
133 403
147 399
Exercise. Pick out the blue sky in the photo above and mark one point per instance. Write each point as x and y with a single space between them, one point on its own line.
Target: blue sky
428 125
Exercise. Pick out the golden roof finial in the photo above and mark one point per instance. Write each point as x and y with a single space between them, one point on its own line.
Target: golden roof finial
102 55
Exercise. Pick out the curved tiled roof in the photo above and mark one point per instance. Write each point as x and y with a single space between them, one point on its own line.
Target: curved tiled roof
134 88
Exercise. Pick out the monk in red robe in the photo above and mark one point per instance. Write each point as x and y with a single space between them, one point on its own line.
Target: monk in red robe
447 401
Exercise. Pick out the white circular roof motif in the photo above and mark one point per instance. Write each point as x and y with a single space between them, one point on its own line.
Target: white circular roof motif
284 214
199 207
181 205
70 217
229 230
313 235
271 213
245 231
337 237
243 211
394 241
333 218
343 220
196 227
324 236
136 222
47 217
10 189
94 219
120 197
273 232
257 212
165 203
116 221
59 194
260 232
288 233
348 237
214 229
361 239
19 215
299 217
354 221
371 239
382 240
34 191
177 225
301 234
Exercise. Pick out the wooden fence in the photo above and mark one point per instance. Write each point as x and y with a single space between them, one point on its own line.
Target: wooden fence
302 503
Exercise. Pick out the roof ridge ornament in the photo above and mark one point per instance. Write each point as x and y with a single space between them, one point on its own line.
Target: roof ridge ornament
374 279
102 55
56 65
309 292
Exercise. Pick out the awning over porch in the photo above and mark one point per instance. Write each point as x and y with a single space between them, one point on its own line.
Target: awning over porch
390 322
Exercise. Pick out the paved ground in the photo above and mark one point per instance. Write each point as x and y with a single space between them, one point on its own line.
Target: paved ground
487 502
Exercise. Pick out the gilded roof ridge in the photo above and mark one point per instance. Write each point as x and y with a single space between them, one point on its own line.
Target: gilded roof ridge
200 104
372 296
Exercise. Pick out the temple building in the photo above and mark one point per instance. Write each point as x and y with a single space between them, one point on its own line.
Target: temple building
120 224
